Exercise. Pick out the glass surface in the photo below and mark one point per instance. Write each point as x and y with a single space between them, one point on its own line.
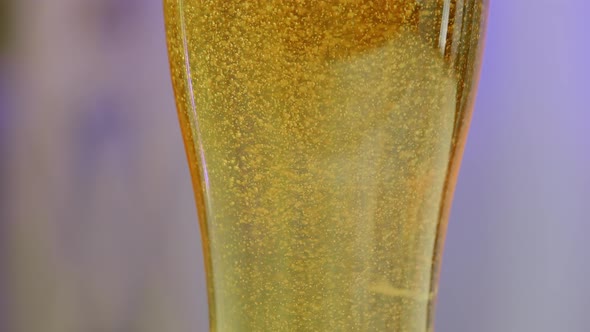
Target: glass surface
323 139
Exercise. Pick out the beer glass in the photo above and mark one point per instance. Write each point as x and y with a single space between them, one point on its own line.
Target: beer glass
324 139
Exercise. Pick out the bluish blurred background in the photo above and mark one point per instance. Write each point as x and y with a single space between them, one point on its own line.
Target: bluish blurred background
98 228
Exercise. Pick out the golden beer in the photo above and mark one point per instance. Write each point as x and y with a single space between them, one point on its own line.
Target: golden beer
323 138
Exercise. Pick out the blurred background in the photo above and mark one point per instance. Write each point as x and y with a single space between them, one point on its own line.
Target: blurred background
98 228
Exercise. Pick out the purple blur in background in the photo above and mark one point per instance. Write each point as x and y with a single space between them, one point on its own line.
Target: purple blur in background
516 257
98 230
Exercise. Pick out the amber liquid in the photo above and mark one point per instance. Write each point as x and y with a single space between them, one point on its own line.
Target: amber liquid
323 139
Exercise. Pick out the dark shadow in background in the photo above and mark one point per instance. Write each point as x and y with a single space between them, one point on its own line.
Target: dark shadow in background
5 120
